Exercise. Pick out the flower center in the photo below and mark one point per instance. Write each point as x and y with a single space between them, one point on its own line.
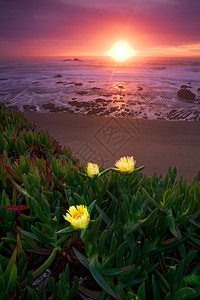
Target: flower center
77 216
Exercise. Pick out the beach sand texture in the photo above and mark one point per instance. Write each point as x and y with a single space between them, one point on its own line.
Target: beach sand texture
155 144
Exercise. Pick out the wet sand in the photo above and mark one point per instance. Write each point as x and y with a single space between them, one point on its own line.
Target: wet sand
156 144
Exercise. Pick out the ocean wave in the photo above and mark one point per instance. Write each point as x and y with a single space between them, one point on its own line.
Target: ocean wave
101 87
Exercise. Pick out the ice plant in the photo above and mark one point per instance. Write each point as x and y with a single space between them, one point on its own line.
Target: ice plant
78 216
92 169
126 164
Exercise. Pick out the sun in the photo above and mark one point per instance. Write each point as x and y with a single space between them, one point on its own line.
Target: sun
121 51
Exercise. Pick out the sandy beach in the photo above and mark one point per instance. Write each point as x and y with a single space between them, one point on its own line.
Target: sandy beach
155 144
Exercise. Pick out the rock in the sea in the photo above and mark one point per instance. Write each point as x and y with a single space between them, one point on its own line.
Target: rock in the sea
198 89
28 107
120 86
82 93
80 104
58 76
186 95
139 88
95 88
76 59
184 86
52 108
96 110
100 100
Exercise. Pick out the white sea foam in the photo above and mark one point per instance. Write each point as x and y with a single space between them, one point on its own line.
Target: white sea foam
99 86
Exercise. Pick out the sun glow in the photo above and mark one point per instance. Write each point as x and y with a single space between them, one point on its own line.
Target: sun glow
121 51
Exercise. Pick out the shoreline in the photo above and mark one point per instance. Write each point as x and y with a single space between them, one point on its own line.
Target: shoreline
156 144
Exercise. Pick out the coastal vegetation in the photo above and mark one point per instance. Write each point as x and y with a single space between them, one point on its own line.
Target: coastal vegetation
76 231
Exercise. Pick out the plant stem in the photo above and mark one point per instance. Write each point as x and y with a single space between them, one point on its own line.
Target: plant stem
43 267
46 264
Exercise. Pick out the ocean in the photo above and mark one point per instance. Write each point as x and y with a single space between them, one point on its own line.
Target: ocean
165 89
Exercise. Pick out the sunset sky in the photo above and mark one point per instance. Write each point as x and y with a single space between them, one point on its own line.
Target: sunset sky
91 27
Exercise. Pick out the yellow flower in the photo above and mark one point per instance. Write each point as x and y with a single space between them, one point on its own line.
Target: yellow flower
126 164
92 169
78 216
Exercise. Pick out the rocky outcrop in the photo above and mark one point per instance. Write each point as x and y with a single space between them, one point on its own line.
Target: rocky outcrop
53 108
82 93
186 94
100 100
80 104
28 107
96 88
139 88
75 59
184 86
96 111
120 86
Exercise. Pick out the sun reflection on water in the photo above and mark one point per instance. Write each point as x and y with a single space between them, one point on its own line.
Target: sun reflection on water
119 100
